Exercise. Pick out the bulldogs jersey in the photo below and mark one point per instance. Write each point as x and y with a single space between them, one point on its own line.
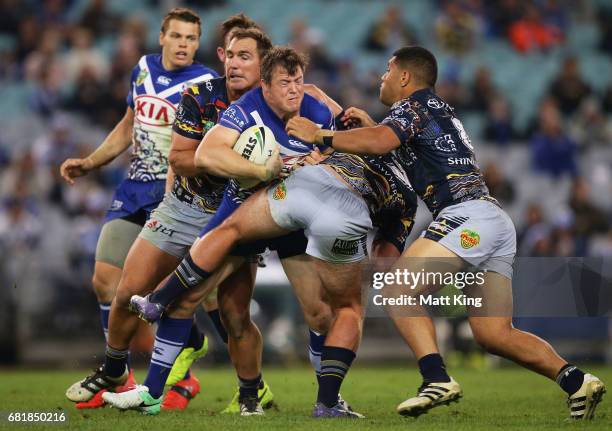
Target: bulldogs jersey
154 95
435 151
252 109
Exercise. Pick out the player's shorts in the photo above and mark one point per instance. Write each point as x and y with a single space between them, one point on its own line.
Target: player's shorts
292 244
335 219
135 200
115 241
174 226
478 231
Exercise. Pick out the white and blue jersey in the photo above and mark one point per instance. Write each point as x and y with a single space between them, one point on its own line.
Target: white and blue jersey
154 95
250 110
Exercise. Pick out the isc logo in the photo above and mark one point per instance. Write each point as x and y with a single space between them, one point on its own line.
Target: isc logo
153 111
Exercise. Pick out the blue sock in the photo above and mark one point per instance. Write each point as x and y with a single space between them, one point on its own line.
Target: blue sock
432 368
186 276
169 340
104 313
335 363
315 346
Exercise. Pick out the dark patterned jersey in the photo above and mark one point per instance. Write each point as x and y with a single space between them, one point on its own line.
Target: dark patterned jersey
200 109
384 186
435 151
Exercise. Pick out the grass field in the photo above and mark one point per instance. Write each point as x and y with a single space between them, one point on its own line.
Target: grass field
498 399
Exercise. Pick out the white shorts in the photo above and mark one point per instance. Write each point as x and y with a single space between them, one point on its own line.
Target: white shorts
335 219
478 231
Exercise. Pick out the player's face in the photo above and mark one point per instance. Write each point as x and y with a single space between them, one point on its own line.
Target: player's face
285 92
242 64
179 44
390 87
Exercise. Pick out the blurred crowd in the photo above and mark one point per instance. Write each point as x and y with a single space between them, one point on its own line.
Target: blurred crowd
77 67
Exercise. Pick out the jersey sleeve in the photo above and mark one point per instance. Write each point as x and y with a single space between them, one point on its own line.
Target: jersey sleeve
188 121
403 120
129 100
235 117
395 225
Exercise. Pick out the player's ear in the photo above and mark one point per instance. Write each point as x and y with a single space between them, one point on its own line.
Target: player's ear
405 78
161 36
221 54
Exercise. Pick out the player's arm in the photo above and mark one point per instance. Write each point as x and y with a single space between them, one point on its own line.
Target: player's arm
187 133
117 141
383 248
216 156
322 97
181 156
169 179
376 140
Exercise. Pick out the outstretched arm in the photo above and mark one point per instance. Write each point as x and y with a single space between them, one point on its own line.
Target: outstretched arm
376 140
117 141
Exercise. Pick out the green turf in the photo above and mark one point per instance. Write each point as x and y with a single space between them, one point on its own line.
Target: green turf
494 399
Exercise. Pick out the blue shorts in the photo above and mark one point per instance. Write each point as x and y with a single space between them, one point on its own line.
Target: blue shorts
135 200
292 244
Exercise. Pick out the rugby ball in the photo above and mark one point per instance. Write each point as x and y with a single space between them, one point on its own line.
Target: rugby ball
256 144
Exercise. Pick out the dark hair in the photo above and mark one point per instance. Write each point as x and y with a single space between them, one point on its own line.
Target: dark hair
181 14
285 57
264 44
420 62
239 21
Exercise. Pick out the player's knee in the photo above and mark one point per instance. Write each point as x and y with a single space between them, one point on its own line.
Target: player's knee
103 286
187 305
231 229
319 318
123 295
352 314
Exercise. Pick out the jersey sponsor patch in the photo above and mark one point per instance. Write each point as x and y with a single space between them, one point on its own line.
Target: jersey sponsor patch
153 111
346 247
142 75
280 192
156 226
469 238
234 118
